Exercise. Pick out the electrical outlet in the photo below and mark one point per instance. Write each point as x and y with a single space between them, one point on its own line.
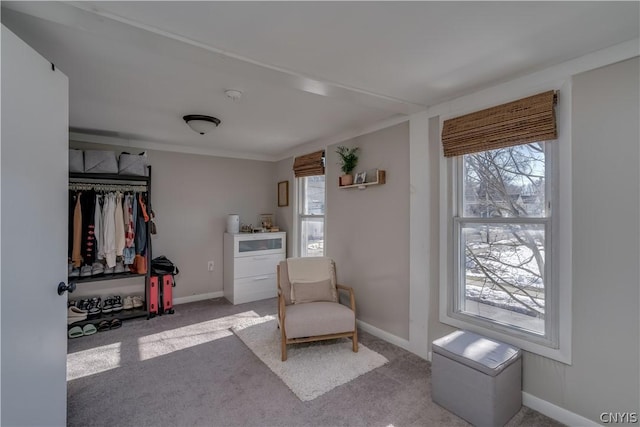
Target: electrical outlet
210 265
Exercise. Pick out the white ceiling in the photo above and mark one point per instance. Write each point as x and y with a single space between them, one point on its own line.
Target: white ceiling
307 70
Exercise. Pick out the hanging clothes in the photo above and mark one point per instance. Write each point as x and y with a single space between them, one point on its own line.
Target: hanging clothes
88 204
72 206
109 232
129 251
99 235
119 220
76 256
141 226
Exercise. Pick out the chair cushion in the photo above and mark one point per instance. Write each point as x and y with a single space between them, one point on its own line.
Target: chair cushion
322 290
318 318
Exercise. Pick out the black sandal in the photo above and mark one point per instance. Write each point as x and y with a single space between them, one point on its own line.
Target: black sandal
116 323
104 325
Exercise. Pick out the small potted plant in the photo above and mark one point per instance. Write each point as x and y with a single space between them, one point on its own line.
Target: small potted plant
348 161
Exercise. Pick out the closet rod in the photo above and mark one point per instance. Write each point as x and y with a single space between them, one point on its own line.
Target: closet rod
107 187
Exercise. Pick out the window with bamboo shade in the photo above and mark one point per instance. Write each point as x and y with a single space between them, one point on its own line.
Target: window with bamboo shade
519 122
309 164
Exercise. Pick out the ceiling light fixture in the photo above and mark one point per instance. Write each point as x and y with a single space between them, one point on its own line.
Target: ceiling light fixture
201 124
233 94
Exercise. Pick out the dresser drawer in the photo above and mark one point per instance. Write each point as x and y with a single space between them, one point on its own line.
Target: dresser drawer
254 288
257 265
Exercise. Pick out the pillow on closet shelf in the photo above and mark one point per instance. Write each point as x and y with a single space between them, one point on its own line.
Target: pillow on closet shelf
100 161
133 164
76 160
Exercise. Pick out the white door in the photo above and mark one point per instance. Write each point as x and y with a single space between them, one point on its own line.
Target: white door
34 176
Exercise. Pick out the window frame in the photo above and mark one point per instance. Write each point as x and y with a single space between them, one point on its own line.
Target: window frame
300 217
548 221
561 233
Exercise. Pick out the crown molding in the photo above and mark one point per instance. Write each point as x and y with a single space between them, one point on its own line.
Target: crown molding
159 146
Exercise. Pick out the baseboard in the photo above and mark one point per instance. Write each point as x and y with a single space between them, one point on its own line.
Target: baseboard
557 413
199 297
393 339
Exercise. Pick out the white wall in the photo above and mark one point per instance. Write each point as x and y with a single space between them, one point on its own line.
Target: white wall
606 237
368 230
192 196
604 374
284 214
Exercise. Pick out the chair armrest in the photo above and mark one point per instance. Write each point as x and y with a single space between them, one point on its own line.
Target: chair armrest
352 298
282 307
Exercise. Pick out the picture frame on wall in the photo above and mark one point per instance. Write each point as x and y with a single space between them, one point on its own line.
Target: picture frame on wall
283 193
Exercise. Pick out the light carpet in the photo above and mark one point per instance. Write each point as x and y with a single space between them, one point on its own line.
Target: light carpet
311 369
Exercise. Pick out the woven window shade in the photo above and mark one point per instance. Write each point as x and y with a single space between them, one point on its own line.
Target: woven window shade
309 164
519 122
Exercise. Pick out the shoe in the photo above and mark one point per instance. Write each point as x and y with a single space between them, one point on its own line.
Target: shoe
107 306
75 272
127 304
75 332
108 270
116 302
89 329
97 268
85 271
104 325
94 308
75 314
116 323
137 301
119 267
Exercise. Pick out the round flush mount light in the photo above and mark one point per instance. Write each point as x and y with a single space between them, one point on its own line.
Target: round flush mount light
201 124
233 94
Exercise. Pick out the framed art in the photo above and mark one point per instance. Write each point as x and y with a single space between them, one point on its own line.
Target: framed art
283 193
360 178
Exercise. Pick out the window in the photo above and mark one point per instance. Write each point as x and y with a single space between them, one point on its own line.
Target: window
502 253
311 200
505 223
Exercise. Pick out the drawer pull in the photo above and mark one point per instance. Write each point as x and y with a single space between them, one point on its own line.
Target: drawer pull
261 278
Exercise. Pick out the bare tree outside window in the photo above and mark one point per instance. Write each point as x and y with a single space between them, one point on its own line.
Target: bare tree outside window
502 235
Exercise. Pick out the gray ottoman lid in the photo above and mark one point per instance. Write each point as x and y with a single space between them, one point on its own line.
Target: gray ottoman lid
483 354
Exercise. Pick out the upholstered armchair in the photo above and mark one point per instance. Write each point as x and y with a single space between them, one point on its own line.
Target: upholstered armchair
309 307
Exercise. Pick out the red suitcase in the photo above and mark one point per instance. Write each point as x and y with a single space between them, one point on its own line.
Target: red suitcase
153 296
167 294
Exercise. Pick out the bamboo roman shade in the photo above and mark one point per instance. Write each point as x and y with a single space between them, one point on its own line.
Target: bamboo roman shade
309 164
519 122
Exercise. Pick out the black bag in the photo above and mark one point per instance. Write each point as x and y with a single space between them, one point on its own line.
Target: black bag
162 265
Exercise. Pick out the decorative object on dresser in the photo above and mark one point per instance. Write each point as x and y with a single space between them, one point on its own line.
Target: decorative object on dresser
348 161
250 262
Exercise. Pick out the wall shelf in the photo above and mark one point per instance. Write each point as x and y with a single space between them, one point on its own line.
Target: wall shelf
380 178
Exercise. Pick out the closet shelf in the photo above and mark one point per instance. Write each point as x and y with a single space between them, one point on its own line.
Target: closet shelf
122 315
111 176
104 277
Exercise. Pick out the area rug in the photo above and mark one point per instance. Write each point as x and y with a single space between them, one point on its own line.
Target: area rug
311 369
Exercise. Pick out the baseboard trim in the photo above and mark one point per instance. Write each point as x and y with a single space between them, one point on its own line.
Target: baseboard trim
393 339
199 297
557 413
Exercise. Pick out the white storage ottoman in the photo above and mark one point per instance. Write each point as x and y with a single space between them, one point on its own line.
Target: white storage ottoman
477 378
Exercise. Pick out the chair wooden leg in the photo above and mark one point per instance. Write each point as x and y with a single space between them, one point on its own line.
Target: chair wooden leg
354 338
284 350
